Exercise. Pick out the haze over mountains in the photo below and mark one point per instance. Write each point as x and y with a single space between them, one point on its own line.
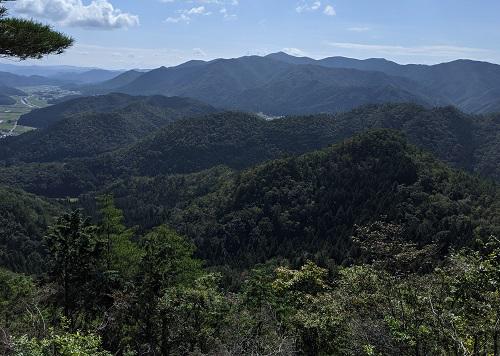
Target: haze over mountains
356 159
283 84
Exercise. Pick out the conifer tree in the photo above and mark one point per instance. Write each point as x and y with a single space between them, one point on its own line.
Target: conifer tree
23 39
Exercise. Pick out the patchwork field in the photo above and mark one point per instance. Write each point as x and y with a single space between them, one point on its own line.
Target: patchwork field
38 97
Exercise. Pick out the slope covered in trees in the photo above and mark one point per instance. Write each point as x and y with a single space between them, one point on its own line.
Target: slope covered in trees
307 207
275 87
329 85
106 123
14 80
114 83
24 218
398 292
472 86
240 140
42 118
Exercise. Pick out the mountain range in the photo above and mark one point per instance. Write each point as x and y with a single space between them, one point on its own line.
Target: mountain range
281 84
80 151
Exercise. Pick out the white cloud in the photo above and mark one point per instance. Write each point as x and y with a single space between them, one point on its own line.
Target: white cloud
329 10
308 6
198 52
441 51
225 13
97 14
294 51
359 29
196 10
180 18
187 15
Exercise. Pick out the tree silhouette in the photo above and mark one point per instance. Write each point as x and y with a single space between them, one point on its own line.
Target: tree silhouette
23 39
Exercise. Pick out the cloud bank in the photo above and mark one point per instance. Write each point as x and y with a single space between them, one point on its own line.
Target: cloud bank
99 14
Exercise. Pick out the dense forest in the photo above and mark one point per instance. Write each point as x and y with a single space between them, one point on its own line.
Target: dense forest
366 224
370 246
187 231
79 155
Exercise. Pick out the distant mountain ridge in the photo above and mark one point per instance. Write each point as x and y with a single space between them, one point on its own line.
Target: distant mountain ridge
472 86
275 87
15 80
280 84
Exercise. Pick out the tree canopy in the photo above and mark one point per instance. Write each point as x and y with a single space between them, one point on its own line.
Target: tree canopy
23 39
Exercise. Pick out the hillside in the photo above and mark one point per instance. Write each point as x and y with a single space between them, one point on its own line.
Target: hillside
43 118
23 221
6 94
87 76
239 140
281 84
105 123
309 89
308 206
471 86
275 87
14 80
6 100
10 91
119 81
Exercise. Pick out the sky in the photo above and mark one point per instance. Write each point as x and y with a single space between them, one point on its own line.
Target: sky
126 34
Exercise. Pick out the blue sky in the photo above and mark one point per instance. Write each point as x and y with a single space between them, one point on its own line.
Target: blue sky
150 33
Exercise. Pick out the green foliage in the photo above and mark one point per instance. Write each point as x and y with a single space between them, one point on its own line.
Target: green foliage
23 221
75 250
86 127
65 344
25 39
233 139
369 247
162 109
17 293
167 261
121 254
191 317
308 207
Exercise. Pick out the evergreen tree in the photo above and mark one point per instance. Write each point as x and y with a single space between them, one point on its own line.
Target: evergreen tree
121 254
74 253
167 263
25 39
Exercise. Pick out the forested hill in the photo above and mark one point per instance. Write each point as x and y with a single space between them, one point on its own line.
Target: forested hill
379 216
104 124
274 87
6 94
236 140
469 85
240 140
280 84
307 207
24 219
42 118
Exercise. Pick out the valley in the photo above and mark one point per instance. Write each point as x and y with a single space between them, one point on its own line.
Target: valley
37 97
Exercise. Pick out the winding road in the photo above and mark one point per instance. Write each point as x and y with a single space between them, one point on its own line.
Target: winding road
25 102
